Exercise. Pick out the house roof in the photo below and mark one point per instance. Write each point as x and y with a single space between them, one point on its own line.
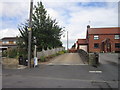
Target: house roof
81 41
111 30
6 38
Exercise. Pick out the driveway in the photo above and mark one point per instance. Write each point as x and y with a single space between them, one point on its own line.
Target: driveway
67 59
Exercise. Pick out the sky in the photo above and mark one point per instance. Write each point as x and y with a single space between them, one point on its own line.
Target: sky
74 15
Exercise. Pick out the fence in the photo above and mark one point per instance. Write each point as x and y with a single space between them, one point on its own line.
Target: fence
49 52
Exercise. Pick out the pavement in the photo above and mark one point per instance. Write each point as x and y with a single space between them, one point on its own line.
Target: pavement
64 76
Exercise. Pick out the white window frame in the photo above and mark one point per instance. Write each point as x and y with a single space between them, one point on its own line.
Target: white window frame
96 37
117 36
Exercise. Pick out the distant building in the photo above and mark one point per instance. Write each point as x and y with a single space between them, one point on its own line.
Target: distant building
100 40
8 42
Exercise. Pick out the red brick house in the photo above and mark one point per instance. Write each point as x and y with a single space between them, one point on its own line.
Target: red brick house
101 40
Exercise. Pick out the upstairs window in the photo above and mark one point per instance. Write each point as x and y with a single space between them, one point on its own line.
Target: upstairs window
96 37
117 45
5 42
14 42
96 45
117 36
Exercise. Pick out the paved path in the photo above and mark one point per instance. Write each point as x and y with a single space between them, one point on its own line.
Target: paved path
67 59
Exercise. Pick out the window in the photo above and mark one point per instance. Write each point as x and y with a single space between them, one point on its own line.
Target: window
96 37
5 42
96 45
117 36
117 45
14 42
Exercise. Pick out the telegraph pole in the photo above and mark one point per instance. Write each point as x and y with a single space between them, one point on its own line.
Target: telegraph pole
30 34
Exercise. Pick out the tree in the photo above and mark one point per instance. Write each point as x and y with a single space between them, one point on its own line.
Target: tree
46 30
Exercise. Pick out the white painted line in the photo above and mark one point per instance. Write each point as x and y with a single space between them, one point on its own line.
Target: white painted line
95 71
98 71
92 71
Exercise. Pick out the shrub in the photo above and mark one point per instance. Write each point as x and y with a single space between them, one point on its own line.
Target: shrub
52 55
4 53
11 53
57 54
61 52
42 59
65 51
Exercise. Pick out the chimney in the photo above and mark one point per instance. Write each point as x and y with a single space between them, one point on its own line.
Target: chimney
88 26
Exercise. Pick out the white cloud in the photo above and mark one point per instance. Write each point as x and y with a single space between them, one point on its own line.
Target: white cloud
15 9
69 15
8 33
80 16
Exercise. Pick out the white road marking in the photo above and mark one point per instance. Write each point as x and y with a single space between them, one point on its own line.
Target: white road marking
95 71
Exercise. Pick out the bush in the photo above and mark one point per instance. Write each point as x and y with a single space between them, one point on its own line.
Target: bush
22 52
11 53
53 55
57 54
61 52
65 51
4 53
42 59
